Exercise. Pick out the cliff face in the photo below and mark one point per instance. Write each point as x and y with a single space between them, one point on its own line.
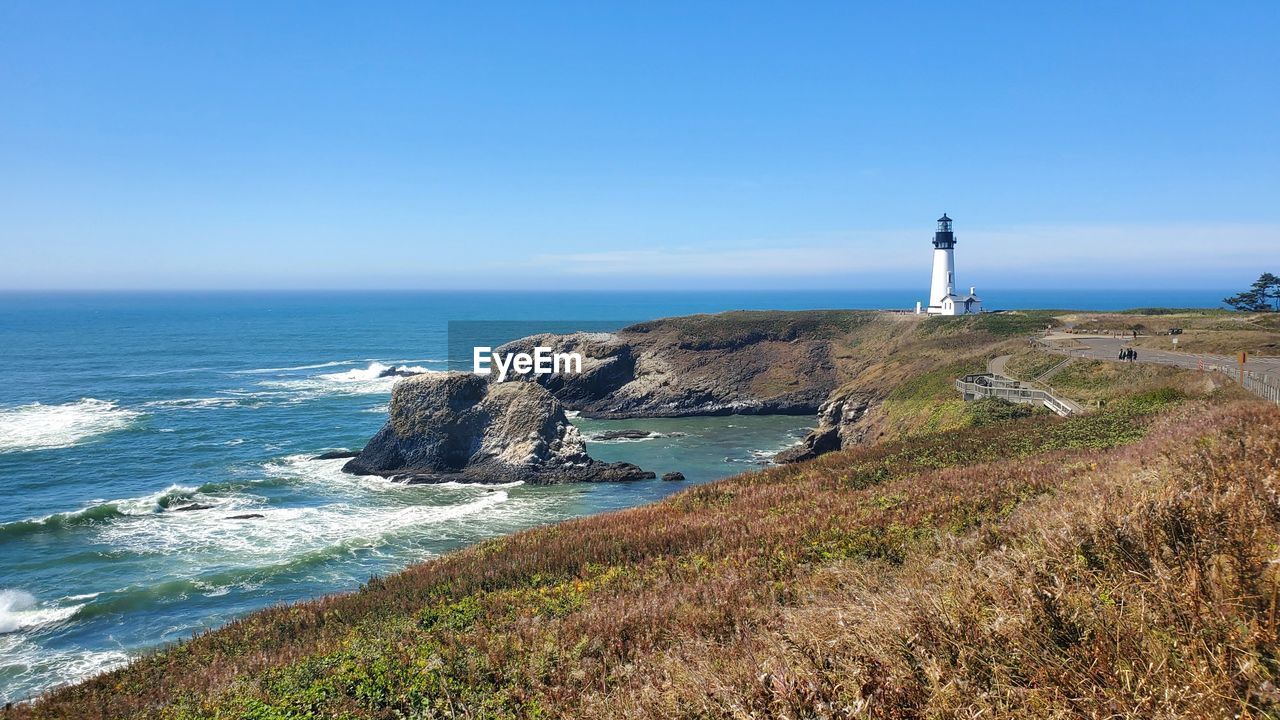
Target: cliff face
750 363
842 423
842 366
455 426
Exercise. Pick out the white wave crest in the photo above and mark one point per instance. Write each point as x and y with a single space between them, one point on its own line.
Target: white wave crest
45 427
265 371
357 381
350 512
208 403
19 611
372 372
30 668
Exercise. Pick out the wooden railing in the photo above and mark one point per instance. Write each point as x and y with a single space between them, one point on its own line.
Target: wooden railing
989 385
1264 386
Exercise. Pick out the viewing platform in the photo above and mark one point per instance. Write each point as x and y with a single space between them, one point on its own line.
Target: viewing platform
984 385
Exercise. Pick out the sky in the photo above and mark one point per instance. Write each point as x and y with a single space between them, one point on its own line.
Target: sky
677 145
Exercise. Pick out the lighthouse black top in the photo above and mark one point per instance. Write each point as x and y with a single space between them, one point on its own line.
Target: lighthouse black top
943 239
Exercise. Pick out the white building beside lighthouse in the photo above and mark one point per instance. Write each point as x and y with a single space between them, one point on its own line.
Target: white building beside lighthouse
943 299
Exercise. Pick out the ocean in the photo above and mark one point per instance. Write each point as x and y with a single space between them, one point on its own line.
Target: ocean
119 408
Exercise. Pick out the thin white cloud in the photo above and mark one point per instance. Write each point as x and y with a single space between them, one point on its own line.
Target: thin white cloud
1139 250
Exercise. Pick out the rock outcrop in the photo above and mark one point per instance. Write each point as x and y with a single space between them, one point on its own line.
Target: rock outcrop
744 363
398 371
839 426
337 455
457 426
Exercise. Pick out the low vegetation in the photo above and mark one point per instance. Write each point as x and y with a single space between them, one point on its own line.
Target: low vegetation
1218 332
1000 325
1113 564
747 326
1096 382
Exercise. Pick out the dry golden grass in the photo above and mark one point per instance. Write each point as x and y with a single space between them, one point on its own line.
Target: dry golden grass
1141 585
1205 331
1098 566
1096 382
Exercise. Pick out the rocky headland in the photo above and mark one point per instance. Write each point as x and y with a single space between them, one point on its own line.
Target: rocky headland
458 426
848 368
736 363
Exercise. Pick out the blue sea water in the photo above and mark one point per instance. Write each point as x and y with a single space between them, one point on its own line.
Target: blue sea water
118 409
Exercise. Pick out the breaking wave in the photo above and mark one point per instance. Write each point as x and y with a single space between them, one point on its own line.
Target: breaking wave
46 427
20 611
172 497
29 666
357 381
205 403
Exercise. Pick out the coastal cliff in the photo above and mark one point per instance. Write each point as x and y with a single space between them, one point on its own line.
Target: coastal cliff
805 587
849 368
866 375
743 363
455 426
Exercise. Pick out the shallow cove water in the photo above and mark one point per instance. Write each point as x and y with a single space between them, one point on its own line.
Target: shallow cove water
119 410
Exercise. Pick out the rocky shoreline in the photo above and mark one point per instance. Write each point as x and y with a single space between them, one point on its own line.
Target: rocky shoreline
455 426
460 427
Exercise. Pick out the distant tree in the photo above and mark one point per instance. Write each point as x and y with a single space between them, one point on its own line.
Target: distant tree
1262 296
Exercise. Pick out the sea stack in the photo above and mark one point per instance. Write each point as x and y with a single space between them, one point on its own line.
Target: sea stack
459 426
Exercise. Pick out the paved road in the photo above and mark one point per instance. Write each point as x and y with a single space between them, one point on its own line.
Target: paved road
1108 348
996 365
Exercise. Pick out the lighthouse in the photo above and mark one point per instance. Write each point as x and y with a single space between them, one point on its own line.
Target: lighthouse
943 299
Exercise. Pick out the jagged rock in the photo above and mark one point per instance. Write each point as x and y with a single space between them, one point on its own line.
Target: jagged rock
746 363
838 427
246 516
457 426
673 476
625 435
192 506
337 455
397 371
607 364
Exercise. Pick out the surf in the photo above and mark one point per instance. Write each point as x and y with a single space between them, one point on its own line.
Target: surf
49 427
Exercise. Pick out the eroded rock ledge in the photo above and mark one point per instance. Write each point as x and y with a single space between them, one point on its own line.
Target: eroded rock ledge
460 427
740 363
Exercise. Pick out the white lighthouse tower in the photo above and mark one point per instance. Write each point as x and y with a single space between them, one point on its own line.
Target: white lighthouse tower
943 299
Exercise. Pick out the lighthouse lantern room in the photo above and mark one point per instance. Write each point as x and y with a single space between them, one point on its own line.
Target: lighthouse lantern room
943 299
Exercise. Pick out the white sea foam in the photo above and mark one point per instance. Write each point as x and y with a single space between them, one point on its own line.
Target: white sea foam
30 668
20 611
44 427
357 381
350 512
265 371
372 372
333 363
100 510
282 534
205 403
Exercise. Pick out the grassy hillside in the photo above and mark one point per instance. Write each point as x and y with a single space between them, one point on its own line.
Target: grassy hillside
1111 564
906 369
1203 331
1097 382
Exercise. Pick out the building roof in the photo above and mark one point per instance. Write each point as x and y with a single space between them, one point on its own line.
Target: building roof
944 218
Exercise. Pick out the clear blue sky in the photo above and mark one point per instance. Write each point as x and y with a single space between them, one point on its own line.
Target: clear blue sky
593 145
